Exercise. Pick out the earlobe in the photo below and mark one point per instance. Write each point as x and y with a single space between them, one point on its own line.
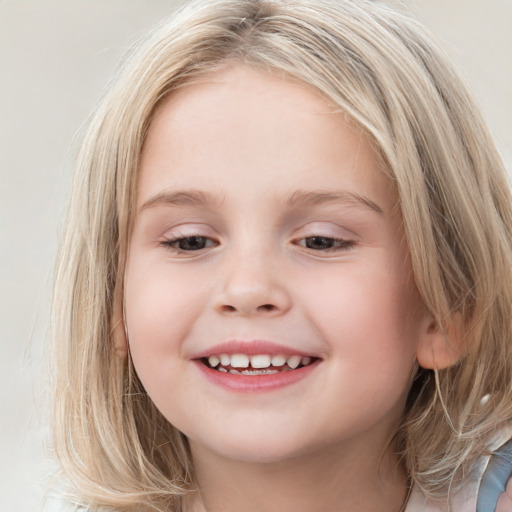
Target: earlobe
439 346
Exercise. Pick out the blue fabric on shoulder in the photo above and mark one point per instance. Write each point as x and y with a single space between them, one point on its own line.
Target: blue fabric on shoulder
495 478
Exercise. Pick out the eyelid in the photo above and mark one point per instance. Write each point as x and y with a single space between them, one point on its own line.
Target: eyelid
327 229
187 229
172 245
341 238
171 238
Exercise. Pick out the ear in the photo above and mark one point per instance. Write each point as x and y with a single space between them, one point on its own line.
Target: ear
439 346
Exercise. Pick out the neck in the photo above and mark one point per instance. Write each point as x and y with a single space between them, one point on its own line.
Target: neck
340 479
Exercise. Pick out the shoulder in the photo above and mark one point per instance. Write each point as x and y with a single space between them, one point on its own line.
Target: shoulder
495 491
488 488
418 502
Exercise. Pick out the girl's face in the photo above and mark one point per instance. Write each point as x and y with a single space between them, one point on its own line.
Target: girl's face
266 231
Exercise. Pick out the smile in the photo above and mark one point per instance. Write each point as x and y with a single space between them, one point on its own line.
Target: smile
242 368
258 364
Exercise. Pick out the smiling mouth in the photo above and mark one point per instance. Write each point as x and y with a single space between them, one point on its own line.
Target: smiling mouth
260 364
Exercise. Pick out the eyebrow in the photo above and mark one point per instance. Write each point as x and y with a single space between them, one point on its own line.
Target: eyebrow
299 198
181 198
313 198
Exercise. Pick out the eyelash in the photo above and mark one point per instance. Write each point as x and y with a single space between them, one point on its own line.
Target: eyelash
175 243
336 244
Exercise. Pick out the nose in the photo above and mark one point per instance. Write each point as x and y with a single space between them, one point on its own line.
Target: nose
253 286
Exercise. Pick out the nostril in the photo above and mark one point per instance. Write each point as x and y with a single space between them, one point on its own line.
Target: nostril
245 309
266 307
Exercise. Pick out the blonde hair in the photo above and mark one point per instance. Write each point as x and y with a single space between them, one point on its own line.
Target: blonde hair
383 70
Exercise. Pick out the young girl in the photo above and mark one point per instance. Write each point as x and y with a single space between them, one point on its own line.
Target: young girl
286 280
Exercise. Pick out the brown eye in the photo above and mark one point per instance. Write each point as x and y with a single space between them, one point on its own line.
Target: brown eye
326 243
192 243
189 243
319 242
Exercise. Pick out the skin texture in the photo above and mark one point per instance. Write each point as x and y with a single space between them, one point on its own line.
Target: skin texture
505 500
255 143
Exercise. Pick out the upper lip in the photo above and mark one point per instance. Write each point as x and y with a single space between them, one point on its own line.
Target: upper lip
251 348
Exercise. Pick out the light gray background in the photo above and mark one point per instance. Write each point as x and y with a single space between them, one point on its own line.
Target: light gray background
55 57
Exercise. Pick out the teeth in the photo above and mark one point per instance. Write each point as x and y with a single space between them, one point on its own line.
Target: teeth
262 361
260 364
278 360
259 372
213 361
293 362
239 361
265 371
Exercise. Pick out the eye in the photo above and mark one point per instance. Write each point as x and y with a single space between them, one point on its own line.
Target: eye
190 243
325 243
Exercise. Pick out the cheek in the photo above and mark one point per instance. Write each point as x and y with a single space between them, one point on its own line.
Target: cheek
366 314
161 306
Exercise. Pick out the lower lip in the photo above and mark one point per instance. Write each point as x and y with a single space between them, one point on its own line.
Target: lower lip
255 383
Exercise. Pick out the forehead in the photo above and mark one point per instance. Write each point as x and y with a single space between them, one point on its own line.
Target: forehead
257 129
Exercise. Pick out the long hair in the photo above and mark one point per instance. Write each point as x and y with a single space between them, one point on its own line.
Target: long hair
384 72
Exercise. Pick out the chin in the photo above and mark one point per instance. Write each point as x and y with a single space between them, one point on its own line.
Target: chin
253 450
